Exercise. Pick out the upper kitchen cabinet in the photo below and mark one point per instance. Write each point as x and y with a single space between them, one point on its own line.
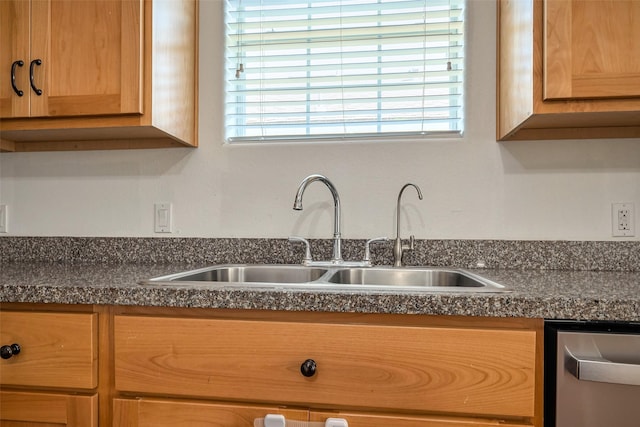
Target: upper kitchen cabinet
98 74
71 58
568 69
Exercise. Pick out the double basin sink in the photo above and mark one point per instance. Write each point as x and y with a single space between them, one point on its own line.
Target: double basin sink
338 278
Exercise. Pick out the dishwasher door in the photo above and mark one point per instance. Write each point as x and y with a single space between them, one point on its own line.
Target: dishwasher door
597 379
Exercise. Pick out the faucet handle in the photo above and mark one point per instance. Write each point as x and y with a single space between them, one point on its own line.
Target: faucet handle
367 248
307 253
411 245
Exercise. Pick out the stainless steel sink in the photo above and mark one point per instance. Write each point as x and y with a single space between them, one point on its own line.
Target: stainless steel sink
336 278
248 273
411 277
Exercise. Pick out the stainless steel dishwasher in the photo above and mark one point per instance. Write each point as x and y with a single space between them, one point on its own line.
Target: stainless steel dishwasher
592 374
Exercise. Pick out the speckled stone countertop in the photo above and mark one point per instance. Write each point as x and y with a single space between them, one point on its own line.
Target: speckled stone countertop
583 295
586 280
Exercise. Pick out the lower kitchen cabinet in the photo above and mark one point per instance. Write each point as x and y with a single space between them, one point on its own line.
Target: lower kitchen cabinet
55 349
148 412
48 370
107 366
30 409
167 413
420 371
373 420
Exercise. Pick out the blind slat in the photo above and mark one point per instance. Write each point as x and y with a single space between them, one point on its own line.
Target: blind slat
343 67
413 54
346 37
336 99
353 91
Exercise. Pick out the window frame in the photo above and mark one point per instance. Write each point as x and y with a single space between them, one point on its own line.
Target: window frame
354 137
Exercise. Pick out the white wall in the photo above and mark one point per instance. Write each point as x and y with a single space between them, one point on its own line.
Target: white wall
474 187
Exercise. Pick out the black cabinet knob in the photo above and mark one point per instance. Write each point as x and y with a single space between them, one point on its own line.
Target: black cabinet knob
6 351
308 368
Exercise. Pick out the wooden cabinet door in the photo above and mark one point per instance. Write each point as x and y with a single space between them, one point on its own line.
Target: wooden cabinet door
591 49
57 349
14 34
378 420
391 368
166 413
86 57
22 409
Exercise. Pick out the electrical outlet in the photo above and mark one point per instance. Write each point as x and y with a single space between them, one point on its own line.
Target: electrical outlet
4 218
622 220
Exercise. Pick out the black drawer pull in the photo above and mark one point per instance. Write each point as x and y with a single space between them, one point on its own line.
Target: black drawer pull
6 351
308 368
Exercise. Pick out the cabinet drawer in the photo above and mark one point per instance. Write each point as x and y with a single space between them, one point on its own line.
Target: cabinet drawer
46 409
56 349
398 420
167 413
454 370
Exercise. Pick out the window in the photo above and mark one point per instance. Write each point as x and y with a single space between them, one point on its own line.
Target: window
326 69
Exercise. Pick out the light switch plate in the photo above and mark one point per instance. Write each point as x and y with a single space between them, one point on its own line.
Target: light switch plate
4 219
162 217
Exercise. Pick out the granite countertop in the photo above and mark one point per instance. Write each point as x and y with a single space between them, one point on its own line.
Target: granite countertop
552 294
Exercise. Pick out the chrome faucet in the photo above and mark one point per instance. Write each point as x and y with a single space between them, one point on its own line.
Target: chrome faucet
297 205
399 247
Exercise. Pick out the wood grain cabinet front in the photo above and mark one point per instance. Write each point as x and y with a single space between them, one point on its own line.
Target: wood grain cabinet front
56 349
97 74
74 58
48 370
153 412
568 69
356 419
32 409
167 413
365 367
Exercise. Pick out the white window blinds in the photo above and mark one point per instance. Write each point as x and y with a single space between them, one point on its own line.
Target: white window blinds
343 68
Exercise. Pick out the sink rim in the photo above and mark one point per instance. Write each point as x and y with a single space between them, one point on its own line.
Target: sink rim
323 281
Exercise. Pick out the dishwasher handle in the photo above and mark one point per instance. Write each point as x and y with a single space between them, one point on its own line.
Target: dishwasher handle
602 370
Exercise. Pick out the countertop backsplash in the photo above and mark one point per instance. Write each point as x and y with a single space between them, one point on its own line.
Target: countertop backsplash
495 254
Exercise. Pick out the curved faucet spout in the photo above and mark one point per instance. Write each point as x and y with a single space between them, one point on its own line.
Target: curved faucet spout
398 206
297 205
398 247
